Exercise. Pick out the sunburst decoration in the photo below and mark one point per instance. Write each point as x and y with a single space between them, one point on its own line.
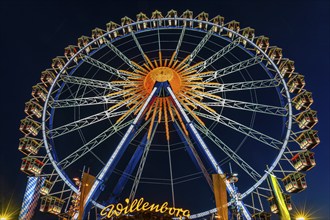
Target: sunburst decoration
186 83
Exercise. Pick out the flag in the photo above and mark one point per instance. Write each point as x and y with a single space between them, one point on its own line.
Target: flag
86 185
282 207
220 194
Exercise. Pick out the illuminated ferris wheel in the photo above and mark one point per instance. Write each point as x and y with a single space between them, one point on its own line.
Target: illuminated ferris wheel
153 107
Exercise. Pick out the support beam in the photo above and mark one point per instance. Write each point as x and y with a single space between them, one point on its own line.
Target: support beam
263 138
230 153
69 103
116 155
81 123
232 68
104 67
249 106
248 85
89 82
198 139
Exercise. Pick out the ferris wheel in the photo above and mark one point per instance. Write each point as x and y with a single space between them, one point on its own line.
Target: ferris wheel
155 105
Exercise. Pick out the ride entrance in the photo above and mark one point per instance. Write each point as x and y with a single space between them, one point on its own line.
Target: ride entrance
168 117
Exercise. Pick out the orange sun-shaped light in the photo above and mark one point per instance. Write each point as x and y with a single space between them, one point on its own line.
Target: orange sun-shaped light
185 81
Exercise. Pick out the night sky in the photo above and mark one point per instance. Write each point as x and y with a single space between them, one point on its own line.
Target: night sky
34 32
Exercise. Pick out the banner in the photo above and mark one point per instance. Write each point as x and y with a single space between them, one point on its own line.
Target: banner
282 207
220 194
86 185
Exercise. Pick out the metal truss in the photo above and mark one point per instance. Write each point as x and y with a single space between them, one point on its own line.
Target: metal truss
230 153
194 155
200 46
258 84
218 55
276 144
232 68
139 47
104 67
89 82
142 163
120 54
118 152
200 142
89 146
248 106
73 126
65 103
179 42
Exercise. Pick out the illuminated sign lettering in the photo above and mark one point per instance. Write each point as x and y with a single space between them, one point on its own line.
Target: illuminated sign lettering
138 205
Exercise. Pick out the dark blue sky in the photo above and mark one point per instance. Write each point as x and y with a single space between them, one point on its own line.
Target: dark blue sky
34 32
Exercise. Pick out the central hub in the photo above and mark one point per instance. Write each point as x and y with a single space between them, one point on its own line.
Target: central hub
162 74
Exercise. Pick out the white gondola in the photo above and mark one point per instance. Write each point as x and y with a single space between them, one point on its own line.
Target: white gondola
29 126
263 43
308 140
286 68
296 83
156 15
188 15
142 17
45 189
276 54
33 108
51 204
127 21
112 26
82 42
29 145
218 20
172 22
303 100
249 33
48 77
31 166
97 33
70 51
39 92
307 119
234 26
203 16
58 64
295 182
303 161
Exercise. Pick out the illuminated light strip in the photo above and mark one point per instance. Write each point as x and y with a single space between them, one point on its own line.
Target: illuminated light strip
209 154
120 145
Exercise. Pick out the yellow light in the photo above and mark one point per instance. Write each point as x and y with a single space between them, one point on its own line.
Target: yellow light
4 218
138 205
301 218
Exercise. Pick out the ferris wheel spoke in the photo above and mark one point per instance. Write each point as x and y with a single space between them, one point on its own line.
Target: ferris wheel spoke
139 47
90 145
229 152
104 67
142 163
89 82
263 138
200 46
232 45
84 122
120 54
249 106
65 103
248 85
177 49
232 68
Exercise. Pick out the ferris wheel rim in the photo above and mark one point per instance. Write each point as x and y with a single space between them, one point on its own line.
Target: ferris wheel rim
289 116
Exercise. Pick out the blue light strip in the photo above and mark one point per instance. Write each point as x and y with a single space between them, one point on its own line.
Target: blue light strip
31 197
